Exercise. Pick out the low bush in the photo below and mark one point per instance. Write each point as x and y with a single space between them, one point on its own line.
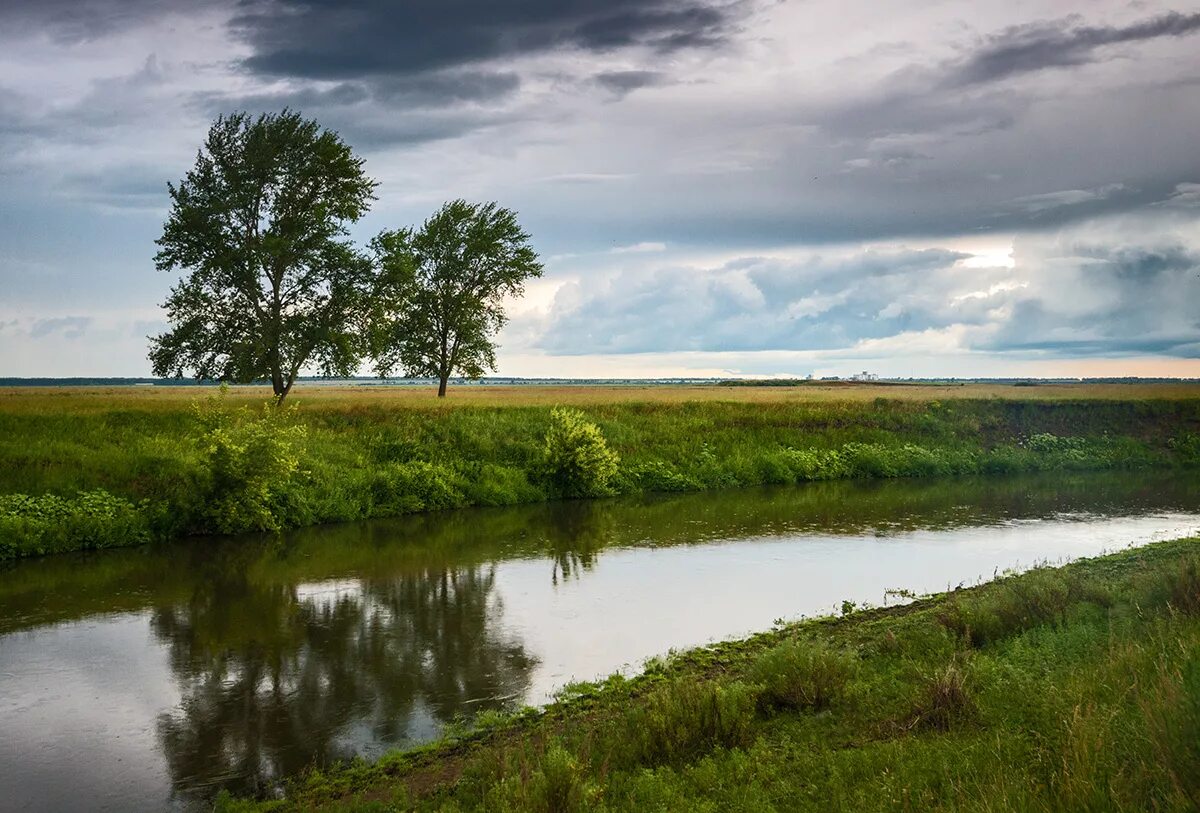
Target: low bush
577 459
402 488
802 674
558 784
1176 586
249 463
682 719
31 526
1042 596
945 699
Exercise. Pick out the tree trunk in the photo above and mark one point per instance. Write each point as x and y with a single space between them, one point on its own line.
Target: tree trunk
442 386
280 387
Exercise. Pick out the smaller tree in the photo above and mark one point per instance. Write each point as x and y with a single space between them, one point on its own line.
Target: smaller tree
440 290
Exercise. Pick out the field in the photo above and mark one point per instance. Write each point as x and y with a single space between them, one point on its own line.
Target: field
1056 690
345 397
98 467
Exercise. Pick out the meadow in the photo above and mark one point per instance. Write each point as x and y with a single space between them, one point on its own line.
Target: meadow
87 468
1072 688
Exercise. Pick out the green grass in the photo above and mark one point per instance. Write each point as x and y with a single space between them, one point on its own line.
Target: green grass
341 458
1085 695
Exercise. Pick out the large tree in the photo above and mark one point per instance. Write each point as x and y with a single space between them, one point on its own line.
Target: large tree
272 284
440 290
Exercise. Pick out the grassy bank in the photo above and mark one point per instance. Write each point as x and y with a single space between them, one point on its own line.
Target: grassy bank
84 469
1075 688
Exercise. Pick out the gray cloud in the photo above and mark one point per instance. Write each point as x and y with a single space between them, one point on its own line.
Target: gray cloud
70 327
1034 47
79 21
1108 298
756 304
1073 293
332 40
391 110
624 82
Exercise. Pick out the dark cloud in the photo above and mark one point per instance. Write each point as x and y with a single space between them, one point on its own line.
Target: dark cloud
75 21
624 82
70 327
328 39
390 110
1028 48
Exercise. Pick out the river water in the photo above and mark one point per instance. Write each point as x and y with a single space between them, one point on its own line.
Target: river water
149 679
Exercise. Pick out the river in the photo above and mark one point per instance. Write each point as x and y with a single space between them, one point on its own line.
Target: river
149 679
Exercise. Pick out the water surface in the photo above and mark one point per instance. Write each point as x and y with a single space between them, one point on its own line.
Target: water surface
152 678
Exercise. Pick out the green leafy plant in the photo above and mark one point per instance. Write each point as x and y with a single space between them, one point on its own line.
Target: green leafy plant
802 674
250 462
47 523
577 458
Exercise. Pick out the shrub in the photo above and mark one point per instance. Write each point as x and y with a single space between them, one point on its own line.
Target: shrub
802 674
31 526
249 464
945 699
657 475
682 719
577 458
558 785
1038 597
1177 587
401 488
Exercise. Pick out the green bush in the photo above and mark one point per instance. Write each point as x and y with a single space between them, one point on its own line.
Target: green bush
249 463
1177 587
402 488
682 719
31 526
558 784
802 674
945 701
577 458
1042 596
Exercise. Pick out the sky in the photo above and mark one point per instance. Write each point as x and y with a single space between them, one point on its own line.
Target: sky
716 187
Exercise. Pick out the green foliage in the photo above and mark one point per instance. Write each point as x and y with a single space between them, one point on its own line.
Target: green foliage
1177 587
945 699
259 224
1042 596
802 674
438 301
559 783
576 456
681 719
401 488
249 465
358 452
34 525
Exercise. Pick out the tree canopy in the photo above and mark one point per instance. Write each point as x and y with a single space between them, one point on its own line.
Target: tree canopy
272 285
440 290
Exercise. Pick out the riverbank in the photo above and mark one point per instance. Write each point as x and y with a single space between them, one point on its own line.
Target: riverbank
1059 689
96 468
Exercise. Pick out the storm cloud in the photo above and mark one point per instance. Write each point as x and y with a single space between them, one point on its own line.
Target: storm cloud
331 39
748 179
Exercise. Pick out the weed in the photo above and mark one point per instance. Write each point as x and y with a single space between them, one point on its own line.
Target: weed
802 674
945 699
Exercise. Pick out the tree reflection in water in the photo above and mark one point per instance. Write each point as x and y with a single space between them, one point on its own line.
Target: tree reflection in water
275 677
